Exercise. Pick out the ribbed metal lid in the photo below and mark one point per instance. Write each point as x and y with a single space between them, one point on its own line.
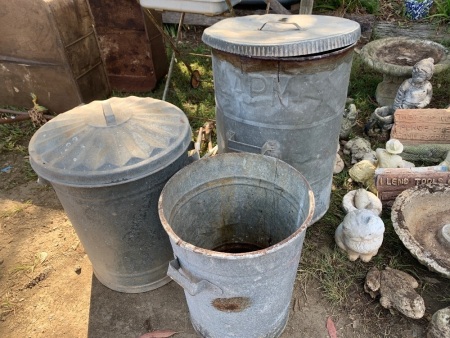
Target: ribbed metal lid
276 35
110 142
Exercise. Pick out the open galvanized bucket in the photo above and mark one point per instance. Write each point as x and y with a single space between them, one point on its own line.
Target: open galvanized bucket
236 223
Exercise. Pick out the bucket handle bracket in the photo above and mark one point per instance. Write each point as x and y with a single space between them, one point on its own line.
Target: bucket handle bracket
270 148
189 283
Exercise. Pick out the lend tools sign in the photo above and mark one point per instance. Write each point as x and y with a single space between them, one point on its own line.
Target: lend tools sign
390 182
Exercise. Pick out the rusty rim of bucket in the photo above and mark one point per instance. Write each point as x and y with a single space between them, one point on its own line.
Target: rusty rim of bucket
188 246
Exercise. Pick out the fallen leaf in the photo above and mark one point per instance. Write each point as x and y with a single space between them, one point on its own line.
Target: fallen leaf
159 334
331 328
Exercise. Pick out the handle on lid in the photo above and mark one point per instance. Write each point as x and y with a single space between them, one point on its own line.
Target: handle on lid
282 21
109 114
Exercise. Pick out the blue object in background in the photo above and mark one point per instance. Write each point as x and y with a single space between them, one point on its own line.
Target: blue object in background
417 9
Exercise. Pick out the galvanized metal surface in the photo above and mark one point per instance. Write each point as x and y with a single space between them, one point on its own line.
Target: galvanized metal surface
277 35
295 104
108 162
244 201
93 146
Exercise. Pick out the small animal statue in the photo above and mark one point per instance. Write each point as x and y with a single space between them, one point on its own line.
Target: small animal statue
413 93
360 149
360 234
364 172
348 121
396 289
362 199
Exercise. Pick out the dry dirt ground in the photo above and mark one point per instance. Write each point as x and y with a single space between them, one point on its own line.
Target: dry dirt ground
47 287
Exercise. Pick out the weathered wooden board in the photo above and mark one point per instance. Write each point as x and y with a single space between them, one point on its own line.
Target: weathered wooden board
422 126
384 29
390 182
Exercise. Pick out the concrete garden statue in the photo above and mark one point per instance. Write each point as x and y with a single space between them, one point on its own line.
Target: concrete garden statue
390 158
413 93
360 149
364 172
396 289
360 234
362 199
339 164
348 121
440 324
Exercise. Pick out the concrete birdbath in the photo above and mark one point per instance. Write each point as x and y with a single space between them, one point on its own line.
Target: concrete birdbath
395 58
421 218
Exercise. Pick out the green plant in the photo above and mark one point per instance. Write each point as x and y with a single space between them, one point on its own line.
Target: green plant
347 6
13 135
442 11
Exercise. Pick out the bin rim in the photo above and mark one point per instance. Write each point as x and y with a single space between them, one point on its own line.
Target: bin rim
243 255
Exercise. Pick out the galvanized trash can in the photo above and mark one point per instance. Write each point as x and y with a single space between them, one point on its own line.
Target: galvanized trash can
237 223
281 86
108 162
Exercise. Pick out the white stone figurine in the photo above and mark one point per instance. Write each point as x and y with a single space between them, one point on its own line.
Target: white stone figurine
390 158
362 199
360 234
413 93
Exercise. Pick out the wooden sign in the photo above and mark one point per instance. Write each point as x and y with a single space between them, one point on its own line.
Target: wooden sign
419 126
390 182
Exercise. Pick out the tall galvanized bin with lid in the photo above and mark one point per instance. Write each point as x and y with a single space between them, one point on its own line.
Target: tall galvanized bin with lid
108 162
281 85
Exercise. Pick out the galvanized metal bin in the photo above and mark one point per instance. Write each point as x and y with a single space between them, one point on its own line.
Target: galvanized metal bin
237 223
281 85
108 162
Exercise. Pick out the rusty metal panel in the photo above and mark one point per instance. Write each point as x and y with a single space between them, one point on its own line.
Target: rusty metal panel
133 49
52 53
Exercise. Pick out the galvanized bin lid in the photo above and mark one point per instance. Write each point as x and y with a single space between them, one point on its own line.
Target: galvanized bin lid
277 35
109 142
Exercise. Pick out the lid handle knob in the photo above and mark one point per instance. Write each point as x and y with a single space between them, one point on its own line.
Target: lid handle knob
109 114
282 21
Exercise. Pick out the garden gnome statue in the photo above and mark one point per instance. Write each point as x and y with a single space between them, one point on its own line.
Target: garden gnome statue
413 93
390 158
360 234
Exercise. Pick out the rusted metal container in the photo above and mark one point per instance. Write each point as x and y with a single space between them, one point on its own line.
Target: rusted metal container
108 162
281 85
131 45
49 48
237 223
